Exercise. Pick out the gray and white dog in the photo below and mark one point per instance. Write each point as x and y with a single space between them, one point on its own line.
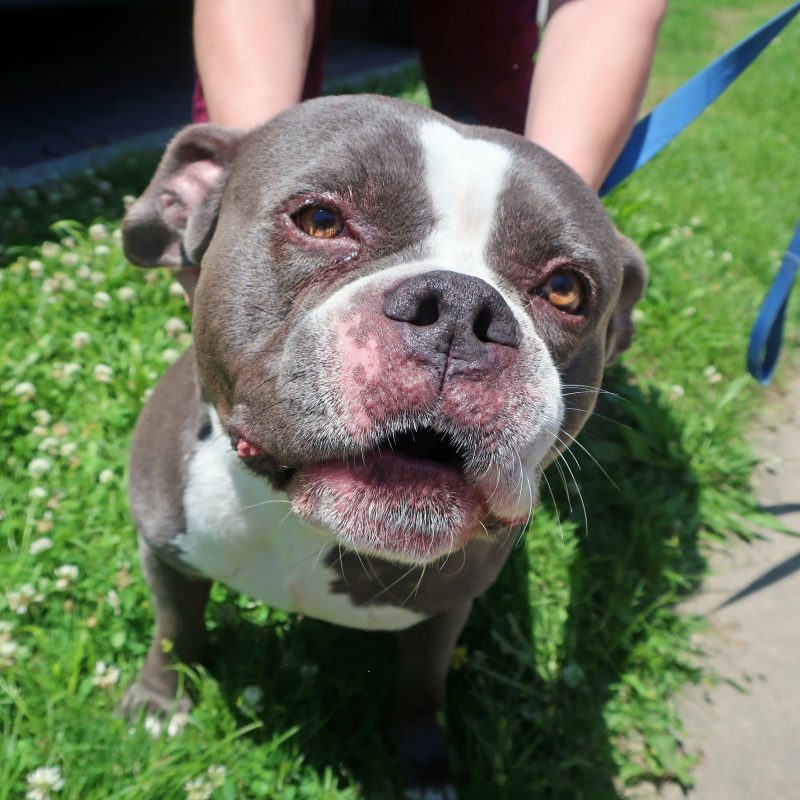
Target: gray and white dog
391 308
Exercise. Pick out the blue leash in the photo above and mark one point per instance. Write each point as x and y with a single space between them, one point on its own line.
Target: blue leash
652 134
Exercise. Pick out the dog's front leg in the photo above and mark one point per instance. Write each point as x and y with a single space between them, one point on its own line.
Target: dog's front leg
425 653
179 602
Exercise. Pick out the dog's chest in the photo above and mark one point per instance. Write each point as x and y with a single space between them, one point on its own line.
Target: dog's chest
241 533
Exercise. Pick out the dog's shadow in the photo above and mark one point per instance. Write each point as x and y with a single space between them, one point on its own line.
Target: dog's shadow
528 718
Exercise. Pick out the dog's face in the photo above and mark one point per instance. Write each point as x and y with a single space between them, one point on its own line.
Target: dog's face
392 311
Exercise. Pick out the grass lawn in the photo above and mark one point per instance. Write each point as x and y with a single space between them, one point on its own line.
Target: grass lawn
569 666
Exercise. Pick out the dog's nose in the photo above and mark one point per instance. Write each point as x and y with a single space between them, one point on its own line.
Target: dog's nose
448 312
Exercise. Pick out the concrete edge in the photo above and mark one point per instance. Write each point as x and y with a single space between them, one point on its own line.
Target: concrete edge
60 168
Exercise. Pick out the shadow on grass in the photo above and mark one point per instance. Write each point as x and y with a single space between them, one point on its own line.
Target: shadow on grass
517 733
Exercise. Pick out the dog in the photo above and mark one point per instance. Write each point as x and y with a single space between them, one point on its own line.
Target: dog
390 309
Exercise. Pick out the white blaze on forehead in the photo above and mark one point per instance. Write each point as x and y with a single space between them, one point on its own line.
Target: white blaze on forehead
464 179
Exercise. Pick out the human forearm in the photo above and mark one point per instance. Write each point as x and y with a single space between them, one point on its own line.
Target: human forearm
590 77
252 56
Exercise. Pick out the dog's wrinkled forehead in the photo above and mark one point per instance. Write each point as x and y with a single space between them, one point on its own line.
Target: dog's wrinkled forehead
409 170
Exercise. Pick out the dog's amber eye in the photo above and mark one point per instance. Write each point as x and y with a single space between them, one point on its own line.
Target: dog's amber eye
563 289
322 222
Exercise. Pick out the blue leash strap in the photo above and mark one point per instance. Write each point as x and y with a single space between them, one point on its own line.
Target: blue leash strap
767 333
653 133
670 117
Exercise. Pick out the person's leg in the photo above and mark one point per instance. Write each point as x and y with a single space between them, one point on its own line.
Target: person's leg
477 58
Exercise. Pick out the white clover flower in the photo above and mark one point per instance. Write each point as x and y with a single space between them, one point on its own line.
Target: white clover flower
101 300
70 259
102 250
80 339
38 467
67 449
176 290
695 221
252 697
67 571
24 598
25 390
105 675
84 272
637 315
106 476
112 598
152 276
676 392
128 200
103 373
42 416
66 574
711 374
147 394
36 268
198 789
40 430
49 249
216 775
126 294
117 235
170 355
9 649
51 286
68 241
177 723
37 493
97 278
98 232
71 368
42 781
40 545
60 428
69 285
153 726
49 444
726 257
173 326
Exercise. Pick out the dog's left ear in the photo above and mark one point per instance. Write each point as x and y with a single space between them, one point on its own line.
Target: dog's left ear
172 222
619 334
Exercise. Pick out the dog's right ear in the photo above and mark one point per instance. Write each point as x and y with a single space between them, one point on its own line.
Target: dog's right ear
172 222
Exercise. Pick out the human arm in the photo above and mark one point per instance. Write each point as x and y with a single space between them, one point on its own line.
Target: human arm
590 77
252 56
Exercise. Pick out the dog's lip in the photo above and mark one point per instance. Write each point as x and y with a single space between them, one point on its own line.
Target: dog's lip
391 504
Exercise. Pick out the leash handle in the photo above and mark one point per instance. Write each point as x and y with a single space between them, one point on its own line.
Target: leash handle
767 334
670 117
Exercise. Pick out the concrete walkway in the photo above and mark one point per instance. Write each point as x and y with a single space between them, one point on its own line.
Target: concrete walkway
748 739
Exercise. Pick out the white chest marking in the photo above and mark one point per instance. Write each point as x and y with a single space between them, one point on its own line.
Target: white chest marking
464 178
243 534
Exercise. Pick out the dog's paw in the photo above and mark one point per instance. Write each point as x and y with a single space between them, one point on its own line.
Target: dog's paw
154 701
442 792
422 747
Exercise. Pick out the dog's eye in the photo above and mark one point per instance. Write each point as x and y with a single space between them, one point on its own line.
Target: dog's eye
564 290
321 222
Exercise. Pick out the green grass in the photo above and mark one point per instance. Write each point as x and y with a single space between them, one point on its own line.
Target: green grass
571 662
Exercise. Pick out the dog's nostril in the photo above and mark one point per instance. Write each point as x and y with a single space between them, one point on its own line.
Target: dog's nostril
427 311
480 326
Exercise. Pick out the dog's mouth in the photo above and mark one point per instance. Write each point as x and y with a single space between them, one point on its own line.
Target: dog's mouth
426 445
407 499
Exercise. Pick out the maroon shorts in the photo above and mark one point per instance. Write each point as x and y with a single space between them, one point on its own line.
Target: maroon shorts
477 58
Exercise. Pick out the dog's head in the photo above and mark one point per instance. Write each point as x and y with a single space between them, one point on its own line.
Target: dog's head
399 319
